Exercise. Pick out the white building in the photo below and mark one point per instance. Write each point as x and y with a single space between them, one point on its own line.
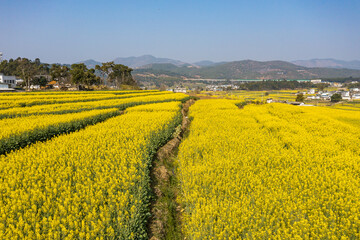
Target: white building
11 80
315 81
356 96
345 94
312 91
35 87
4 86
179 90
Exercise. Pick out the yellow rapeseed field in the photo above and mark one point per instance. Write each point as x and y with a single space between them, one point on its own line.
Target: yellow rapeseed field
271 171
121 103
30 100
21 131
90 184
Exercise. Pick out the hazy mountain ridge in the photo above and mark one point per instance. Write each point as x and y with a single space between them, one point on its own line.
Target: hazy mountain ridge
245 69
248 69
135 62
90 63
328 63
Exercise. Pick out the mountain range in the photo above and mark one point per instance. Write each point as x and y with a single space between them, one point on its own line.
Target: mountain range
135 62
246 69
150 67
328 63
138 62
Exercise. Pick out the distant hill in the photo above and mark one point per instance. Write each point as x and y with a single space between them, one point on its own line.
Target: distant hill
328 63
148 66
204 63
90 63
207 63
136 62
246 69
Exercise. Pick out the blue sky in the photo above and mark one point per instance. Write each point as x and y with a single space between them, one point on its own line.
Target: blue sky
69 31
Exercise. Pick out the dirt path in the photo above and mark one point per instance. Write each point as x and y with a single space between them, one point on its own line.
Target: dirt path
165 215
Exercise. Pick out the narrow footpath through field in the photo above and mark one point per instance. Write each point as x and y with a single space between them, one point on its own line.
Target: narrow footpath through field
165 213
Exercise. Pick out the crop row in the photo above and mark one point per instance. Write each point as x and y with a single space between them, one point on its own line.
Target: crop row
121 103
19 132
91 184
272 171
54 93
12 102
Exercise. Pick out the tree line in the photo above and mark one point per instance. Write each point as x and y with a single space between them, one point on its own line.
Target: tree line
277 85
38 73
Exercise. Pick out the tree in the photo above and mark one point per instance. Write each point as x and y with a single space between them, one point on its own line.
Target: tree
78 75
59 73
39 81
37 61
117 73
300 97
321 86
105 69
91 78
336 97
26 70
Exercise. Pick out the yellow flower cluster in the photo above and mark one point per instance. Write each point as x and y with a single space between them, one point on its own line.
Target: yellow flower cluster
353 105
21 131
54 93
30 100
122 103
90 184
261 96
271 171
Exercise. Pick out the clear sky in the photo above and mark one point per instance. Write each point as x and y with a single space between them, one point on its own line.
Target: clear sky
68 31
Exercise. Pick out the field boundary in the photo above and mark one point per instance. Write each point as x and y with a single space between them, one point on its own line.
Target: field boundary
165 211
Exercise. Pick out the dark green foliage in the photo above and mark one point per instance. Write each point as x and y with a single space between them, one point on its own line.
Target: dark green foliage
322 86
244 103
24 68
116 74
300 97
60 73
39 81
275 85
81 75
336 97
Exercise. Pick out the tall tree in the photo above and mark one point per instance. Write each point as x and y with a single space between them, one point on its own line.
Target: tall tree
26 70
117 73
91 78
78 75
60 73
105 69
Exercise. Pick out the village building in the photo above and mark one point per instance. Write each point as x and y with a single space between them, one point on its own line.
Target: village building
179 90
10 80
315 81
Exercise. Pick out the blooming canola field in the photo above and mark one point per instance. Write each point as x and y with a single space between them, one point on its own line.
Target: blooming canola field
272 171
89 184
78 165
